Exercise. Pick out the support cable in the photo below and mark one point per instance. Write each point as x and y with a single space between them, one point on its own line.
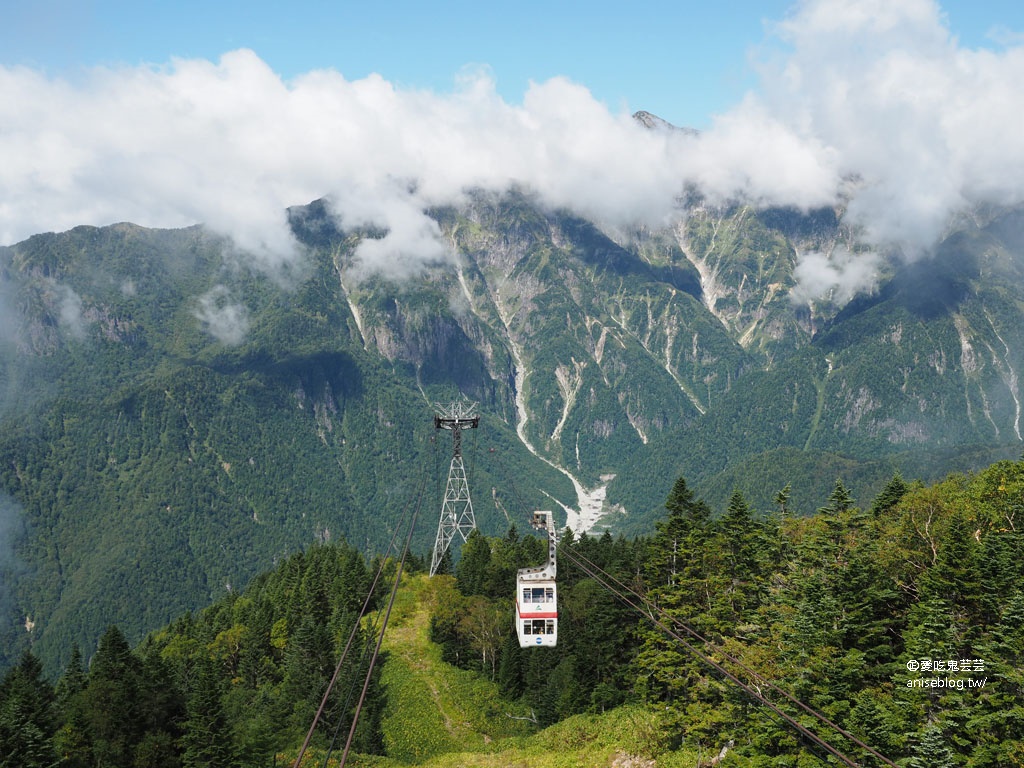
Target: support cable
355 627
732 659
387 616
371 635
592 570
650 615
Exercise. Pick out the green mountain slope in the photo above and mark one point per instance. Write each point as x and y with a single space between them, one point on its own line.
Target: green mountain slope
152 466
900 622
177 418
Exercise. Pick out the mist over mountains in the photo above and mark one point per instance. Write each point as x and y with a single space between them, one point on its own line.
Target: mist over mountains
177 420
826 283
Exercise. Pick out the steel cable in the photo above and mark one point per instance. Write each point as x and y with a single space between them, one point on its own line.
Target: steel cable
654 614
362 614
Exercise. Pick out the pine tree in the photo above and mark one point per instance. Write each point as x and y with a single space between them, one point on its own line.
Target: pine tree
510 668
111 701
308 668
955 577
677 571
471 574
890 496
74 680
782 500
839 501
445 567
73 740
931 750
929 633
207 740
675 553
160 710
734 557
26 716
996 719
741 537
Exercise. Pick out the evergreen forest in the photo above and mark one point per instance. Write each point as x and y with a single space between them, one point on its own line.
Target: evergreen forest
176 418
880 632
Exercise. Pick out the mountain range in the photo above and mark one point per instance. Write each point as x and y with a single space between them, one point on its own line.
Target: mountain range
177 418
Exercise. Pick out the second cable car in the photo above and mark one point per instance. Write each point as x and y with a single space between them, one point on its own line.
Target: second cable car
537 594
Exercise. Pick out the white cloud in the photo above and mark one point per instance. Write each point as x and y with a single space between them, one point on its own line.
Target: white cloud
837 276
870 89
70 309
928 127
224 319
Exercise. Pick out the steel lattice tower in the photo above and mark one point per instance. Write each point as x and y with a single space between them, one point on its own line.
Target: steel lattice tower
457 508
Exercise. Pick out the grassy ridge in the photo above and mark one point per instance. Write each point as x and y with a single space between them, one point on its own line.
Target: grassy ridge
436 708
442 717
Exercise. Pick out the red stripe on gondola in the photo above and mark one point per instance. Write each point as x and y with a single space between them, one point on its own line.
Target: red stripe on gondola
537 615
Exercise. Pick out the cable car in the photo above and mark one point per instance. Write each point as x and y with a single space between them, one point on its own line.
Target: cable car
537 594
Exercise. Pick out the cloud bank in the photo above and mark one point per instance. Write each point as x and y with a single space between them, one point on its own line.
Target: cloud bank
876 91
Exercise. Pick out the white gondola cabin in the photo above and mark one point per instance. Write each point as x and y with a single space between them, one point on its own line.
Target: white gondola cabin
537 594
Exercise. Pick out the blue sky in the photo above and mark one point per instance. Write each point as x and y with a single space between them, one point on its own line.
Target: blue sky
681 60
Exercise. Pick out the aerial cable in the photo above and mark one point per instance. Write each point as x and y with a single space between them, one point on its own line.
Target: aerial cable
753 693
370 637
593 570
649 614
387 616
753 673
341 660
355 627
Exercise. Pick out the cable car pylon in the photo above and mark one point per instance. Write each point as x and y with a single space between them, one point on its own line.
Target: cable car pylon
457 508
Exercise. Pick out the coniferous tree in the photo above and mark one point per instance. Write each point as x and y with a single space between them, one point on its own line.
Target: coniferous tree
839 500
741 537
955 578
890 496
510 668
160 710
26 716
931 750
995 720
537 671
564 690
308 669
471 574
677 573
675 552
111 701
73 740
446 566
207 739
74 680
782 500
1001 563
504 561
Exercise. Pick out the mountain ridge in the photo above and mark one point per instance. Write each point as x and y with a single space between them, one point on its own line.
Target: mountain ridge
154 378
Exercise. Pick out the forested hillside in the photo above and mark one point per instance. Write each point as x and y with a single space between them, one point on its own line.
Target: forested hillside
176 416
899 621
149 465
